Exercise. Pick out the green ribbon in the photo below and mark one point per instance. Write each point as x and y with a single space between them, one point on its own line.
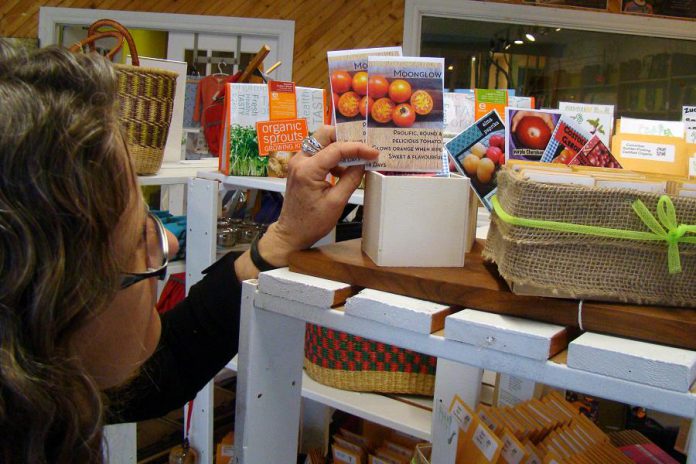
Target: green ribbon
663 228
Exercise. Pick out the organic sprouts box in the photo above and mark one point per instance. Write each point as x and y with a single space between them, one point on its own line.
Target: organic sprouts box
248 104
407 117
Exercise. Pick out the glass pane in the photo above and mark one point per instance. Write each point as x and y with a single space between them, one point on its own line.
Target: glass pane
225 64
645 77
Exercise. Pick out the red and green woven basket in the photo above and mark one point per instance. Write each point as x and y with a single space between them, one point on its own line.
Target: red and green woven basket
349 362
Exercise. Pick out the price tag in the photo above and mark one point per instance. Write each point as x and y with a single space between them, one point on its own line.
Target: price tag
461 413
485 442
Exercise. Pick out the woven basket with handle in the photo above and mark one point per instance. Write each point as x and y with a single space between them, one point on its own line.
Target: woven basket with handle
146 98
349 362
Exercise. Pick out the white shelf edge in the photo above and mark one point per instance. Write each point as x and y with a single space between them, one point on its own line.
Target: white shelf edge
271 184
178 173
376 408
682 404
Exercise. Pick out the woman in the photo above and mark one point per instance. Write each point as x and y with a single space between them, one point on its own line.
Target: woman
77 252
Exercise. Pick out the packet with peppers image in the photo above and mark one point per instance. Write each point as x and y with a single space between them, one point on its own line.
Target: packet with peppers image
406 120
566 141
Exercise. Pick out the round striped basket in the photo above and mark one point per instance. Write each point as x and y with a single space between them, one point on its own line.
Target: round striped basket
349 362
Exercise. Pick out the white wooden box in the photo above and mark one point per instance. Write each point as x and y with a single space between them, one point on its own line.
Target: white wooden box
416 221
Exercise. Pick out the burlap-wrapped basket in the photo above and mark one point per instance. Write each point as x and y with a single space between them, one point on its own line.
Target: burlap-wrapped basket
587 266
349 362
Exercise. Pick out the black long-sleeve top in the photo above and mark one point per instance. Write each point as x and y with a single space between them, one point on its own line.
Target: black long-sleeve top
199 337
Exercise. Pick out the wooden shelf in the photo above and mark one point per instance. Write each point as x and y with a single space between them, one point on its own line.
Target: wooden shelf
478 286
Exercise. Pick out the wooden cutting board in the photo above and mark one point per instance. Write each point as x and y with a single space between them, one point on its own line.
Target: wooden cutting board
478 286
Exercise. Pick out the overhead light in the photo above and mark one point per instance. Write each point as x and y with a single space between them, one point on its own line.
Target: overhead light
519 41
507 46
530 37
450 68
473 58
558 29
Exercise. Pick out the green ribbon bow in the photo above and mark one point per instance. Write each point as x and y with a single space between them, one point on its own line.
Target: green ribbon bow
663 228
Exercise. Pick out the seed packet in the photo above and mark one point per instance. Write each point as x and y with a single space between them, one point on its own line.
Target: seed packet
528 132
349 86
566 141
247 104
595 119
478 153
407 117
595 153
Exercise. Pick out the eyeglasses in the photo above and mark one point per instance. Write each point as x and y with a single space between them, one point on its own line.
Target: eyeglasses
157 251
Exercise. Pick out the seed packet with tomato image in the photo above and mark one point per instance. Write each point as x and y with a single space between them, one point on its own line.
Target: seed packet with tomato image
407 117
566 141
595 153
349 88
478 153
529 132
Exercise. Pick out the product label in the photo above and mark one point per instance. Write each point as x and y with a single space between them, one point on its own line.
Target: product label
513 390
461 413
344 457
487 420
595 119
513 451
647 151
650 127
566 141
458 112
692 167
484 441
689 120
528 132
285 135
406 125
282 101
488 100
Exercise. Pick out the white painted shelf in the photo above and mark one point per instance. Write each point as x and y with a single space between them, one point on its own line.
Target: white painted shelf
380 409
271 184
178 173
552 373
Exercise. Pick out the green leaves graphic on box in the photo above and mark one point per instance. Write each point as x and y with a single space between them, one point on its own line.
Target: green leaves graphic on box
244 152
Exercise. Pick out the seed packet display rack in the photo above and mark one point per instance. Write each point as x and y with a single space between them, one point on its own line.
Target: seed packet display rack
271 355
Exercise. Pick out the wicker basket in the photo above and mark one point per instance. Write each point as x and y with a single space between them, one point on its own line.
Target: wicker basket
348 362
146 99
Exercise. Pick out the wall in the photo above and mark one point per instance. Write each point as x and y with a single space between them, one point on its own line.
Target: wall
320 25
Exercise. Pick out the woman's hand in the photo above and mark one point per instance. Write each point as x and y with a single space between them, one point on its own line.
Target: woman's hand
312 206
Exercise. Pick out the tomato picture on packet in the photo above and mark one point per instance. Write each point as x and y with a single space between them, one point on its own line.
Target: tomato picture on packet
355 95
406 120
404 102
